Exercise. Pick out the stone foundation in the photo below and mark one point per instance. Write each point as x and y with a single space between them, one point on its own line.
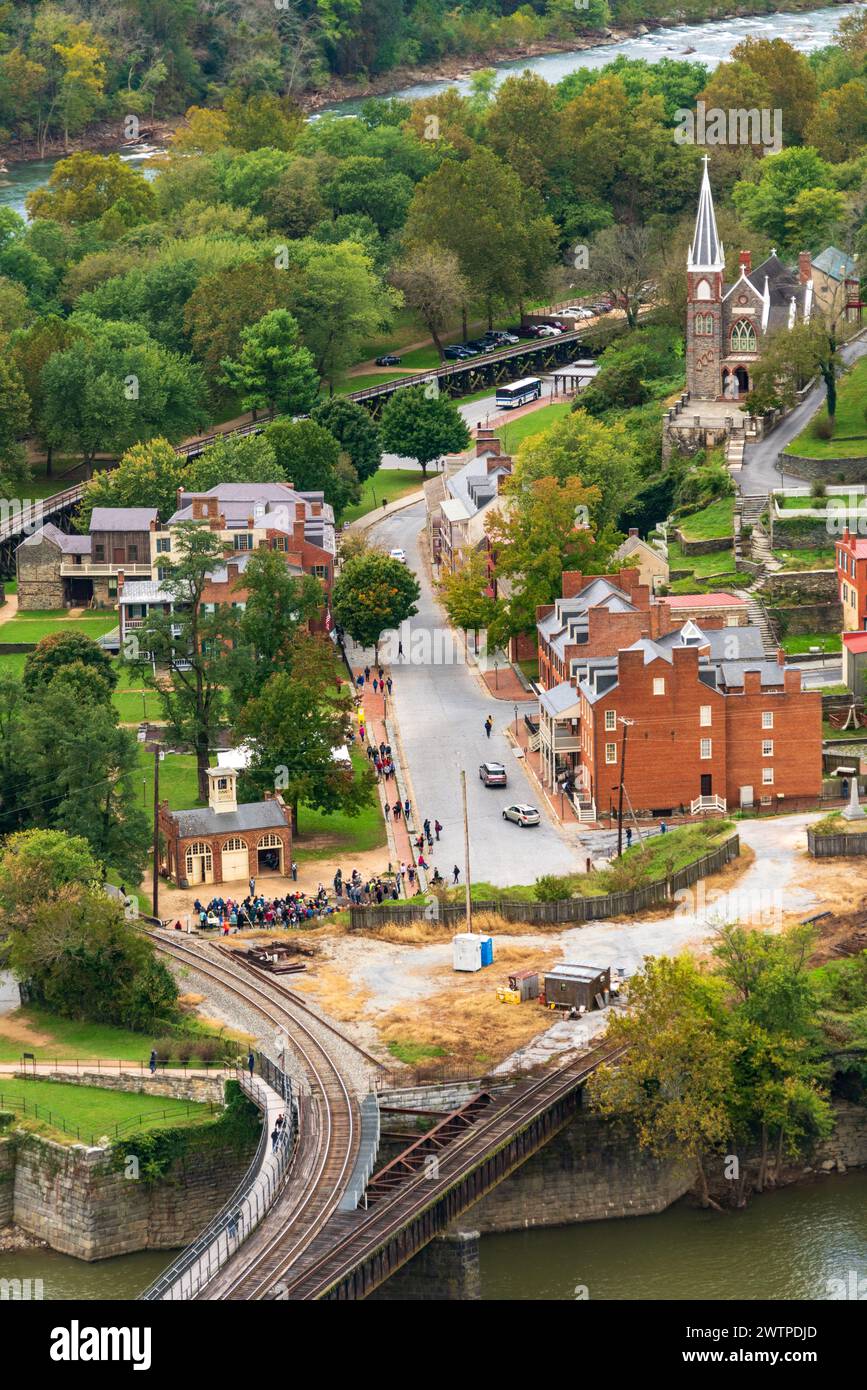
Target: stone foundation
197 1088
445 1270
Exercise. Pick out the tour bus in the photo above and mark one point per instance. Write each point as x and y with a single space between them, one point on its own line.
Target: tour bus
519 392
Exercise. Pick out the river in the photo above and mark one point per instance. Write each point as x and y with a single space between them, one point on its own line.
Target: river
785 1245
711 43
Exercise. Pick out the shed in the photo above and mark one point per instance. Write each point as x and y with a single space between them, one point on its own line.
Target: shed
525 983
578 986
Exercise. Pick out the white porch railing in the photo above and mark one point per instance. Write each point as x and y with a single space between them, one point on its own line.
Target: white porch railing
708 803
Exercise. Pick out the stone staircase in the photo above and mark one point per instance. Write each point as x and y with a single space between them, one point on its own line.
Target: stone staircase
734 454
758 616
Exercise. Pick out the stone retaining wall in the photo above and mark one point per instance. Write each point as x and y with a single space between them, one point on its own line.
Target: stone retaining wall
711 545
197 1088
70 1197
828 469
796 586
7 1181
791 621
794 532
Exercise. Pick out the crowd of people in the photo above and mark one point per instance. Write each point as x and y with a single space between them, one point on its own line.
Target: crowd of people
293 910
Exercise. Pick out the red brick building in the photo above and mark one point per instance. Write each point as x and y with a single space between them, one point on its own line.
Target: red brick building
225 842
710 721
851 561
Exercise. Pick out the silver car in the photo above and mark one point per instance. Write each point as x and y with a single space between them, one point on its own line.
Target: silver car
522 815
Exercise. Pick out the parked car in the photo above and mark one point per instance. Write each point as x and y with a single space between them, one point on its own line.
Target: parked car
522 815
478 345
493 774
398 554
500 338
457 353
388 360
547 330
581 313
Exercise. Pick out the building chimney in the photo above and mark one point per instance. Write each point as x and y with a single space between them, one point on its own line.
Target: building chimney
633 530
119 581
805 267
746 261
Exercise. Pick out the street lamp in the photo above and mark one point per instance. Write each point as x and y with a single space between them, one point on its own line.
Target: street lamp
516 721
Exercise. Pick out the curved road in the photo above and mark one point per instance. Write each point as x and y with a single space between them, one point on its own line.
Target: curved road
441 708
760 472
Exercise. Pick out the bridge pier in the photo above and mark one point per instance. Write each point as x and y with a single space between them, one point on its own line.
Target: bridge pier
446 1270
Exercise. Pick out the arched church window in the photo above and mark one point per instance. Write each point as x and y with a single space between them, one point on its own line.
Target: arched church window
704 325
703 290
743 336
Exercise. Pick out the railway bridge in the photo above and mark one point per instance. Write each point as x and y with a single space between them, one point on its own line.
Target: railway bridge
434 1181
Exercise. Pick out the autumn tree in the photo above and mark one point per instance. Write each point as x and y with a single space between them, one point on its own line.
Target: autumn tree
431 283
464 593
85 186
578 446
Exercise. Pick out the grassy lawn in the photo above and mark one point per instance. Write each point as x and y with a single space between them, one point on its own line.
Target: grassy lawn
816 504
850 428
535 422
386 485
848 735
712 522
133 706
660 856
34 625
826 641
54 1039
322 835
92 1112
721 562
530 666
808 559
178 780
12 663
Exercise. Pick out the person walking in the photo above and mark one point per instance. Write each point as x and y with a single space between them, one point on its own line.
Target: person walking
294 872
387 810
275 1139
456 873
251 1062
406 808
425 825
489 724
389 683
399 649
398 810
153 1060
252 888
366 674
629 837
437 828
662 827
375 686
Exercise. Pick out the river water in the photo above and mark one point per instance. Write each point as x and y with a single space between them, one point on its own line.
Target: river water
791 1244
711 44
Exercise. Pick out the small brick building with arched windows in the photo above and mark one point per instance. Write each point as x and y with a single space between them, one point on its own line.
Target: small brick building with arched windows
225 842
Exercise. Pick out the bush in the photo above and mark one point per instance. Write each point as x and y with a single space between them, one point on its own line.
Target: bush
550 888
818 488
823 428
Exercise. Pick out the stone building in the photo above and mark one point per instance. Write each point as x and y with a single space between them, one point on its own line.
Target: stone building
226 842
728 325
56 570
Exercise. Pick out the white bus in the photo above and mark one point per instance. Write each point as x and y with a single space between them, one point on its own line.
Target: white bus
519 392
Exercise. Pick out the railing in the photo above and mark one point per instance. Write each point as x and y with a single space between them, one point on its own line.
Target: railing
248 1204
367 1154
88 568
20 1105
707 803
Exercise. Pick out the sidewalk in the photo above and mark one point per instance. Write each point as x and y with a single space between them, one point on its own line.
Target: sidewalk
559 805
380 730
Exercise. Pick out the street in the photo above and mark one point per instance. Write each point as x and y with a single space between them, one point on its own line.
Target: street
441 710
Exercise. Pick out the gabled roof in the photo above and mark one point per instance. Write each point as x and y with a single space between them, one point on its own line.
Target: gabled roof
69 545
254 815
836 264
122 518
561 698
706 251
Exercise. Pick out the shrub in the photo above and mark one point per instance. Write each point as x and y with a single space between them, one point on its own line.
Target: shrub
823 428
551 888
817 488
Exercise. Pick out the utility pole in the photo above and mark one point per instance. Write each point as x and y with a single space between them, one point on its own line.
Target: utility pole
156 893
467 887
626 726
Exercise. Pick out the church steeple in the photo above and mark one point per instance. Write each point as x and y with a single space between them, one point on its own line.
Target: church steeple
706 252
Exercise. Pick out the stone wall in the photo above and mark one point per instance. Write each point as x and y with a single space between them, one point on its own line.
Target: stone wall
70 1197
798 618
802 586
197 1088
794 532
38 569
7 1181
835 470
445 1270
712 545
592 1171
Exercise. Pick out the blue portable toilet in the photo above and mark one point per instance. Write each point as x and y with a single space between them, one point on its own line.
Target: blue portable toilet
487 944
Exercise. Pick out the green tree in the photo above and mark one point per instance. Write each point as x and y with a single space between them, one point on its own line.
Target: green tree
293 726
372 594
114 387
14 418
37 865
763 201
59 650
464 595
339 301
354 429
223 305
272 370
598 453
31 348
421 426
85 186
277 609
189 646
233 459
148 475
309 457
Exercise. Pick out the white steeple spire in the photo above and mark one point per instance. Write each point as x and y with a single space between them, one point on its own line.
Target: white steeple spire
706 251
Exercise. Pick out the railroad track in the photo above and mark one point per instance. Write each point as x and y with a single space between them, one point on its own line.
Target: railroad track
292 1223
357 1239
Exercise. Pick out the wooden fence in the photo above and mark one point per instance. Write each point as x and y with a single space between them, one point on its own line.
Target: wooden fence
828 846
561 910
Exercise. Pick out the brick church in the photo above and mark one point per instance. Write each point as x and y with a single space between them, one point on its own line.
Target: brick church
727 325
